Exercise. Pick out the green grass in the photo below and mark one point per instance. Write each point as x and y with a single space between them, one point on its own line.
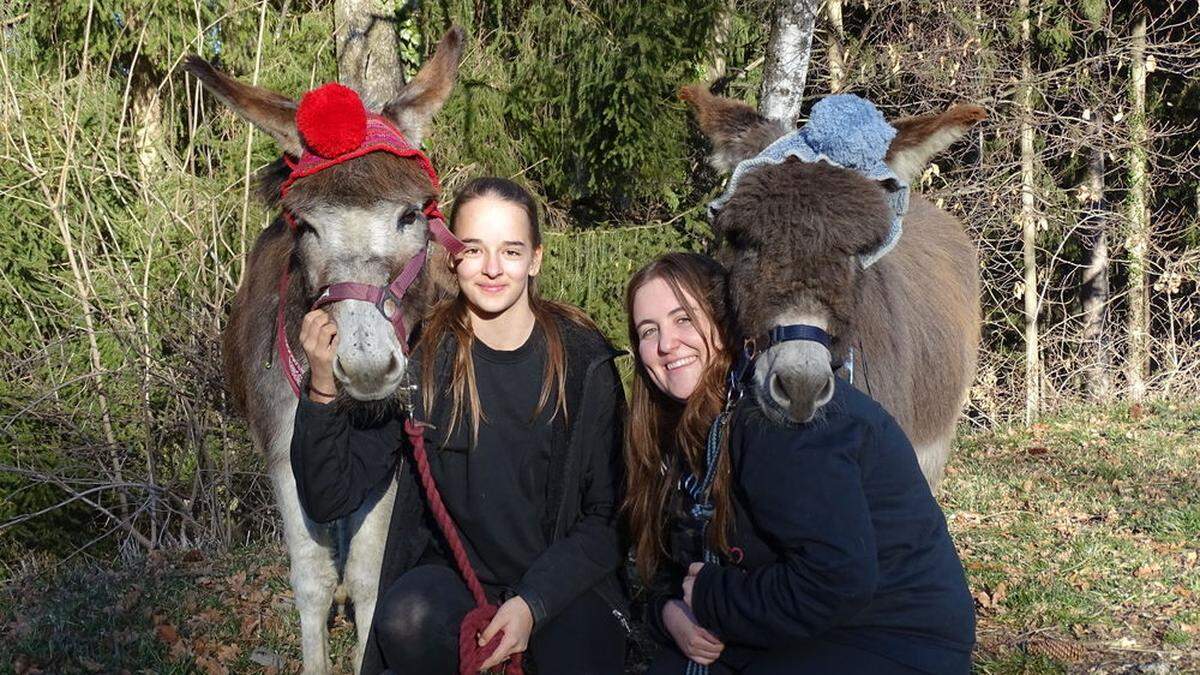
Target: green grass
1080 536
1088 525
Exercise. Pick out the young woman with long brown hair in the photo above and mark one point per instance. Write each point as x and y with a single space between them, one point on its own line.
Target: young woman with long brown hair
832 555
525 409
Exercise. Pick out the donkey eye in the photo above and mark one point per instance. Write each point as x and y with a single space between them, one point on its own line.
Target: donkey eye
739 239
305 227
408 217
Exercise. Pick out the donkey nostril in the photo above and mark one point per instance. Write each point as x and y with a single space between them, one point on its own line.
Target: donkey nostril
338 371
826 392
394 366
778 392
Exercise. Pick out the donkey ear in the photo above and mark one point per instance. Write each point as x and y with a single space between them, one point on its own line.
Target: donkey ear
736 130
273 113
421 98
919 138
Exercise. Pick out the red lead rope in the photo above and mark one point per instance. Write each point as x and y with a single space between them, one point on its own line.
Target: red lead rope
470 655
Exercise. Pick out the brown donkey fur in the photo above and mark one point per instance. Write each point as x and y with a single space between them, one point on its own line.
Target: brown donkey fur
790 237
358 221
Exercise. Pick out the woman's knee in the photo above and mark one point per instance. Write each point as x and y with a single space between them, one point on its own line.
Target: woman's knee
423 604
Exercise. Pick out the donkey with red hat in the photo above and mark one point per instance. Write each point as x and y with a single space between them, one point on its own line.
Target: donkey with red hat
358 207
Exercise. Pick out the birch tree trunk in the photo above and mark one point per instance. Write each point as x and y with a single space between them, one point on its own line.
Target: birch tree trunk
1138 241
837 42
367 56
1029 224
788 53
1094 290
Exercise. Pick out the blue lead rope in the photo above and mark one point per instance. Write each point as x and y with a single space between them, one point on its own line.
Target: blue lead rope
702 507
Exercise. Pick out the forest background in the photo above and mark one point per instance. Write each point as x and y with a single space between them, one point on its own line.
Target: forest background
127 205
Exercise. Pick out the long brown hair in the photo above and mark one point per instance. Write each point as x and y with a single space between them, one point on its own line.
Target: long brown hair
450 317
661 430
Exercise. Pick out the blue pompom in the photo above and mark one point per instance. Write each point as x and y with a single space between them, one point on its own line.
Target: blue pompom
849 130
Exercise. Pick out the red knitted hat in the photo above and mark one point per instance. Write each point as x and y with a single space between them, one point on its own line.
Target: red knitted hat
332 120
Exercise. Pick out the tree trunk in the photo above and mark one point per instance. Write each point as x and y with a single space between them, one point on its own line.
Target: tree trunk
837 42
1138 241
716 65
787 59
1029 224
149 132
367 56
1094 290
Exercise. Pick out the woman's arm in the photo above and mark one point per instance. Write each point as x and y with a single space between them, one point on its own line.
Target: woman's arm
662 589
336 464
804 491
593 547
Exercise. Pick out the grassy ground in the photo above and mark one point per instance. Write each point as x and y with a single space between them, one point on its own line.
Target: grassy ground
1080 538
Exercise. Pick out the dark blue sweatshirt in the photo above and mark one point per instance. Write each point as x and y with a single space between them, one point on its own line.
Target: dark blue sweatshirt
840 539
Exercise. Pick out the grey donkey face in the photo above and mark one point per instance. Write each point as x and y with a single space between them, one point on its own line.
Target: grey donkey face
791 237
367 240
361 220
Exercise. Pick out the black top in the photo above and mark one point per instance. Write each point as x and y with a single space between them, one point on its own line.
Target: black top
837 537
340 465
496 489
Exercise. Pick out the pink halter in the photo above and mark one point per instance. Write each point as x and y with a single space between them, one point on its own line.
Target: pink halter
336 128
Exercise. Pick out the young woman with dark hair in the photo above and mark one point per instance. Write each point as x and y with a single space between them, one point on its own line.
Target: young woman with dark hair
833 555
524 408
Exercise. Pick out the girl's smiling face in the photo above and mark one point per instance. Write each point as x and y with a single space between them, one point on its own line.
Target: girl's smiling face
499 258
672 347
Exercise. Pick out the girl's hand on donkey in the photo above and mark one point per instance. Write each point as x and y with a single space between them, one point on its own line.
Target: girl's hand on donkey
696 643
319 337
516 620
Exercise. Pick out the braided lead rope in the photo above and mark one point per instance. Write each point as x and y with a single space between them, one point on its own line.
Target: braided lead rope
702 507
470 655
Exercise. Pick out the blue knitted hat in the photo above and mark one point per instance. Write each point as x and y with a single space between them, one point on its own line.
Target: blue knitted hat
843 130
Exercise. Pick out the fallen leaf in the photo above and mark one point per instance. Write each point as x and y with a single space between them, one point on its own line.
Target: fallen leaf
166 633
236 581
1146 571
180 651
211 666
249 625
983 599
999 595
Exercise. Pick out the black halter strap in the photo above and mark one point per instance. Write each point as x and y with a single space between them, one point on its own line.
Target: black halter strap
780 334
798 331
754 346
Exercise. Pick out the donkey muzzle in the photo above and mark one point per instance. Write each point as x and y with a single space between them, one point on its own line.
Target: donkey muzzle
370 361
794 379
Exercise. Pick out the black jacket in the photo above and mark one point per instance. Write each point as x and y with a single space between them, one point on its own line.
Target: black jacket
837 538
338 465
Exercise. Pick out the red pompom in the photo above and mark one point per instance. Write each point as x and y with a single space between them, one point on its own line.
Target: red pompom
332 120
